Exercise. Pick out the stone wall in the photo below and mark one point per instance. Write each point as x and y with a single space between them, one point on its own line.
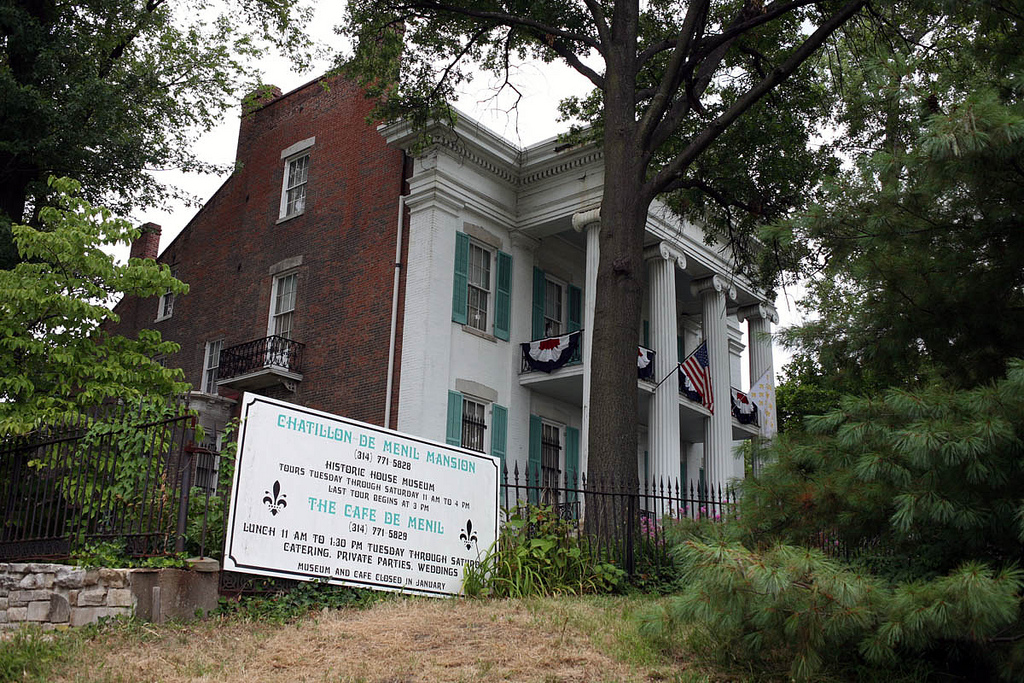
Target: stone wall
58 596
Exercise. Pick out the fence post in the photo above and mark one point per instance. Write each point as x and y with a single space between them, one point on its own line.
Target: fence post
186 489
631 521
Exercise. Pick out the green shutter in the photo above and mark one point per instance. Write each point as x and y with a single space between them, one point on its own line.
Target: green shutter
575 308
503 296
533 463
679 349
647 334
453 437
682 476
499 434
647 470
572 462
461 284
539 285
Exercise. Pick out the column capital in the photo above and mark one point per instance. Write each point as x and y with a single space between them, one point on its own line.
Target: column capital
762 310
581 220
666 251
523 241
715 283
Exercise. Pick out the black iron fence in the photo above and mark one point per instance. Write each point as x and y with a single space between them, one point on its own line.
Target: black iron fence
273 351
117 475
623 522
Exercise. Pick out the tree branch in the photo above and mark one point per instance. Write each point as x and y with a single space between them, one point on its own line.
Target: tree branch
701 142
696 17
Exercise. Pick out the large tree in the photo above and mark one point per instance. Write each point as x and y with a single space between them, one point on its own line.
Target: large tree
670 78
106 90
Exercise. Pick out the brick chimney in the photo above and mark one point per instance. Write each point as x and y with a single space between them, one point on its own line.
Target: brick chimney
247 128
148 243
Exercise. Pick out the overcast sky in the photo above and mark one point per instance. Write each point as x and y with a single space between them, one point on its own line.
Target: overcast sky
541 85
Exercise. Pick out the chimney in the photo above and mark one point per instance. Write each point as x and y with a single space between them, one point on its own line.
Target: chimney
148 243
251 105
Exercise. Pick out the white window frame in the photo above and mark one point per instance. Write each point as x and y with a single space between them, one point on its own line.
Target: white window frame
563 303
485 446
165 306
291 155
274 288
489 301
215 346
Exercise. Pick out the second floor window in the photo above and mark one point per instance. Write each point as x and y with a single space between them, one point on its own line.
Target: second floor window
553 315
283 306
479 287
210 366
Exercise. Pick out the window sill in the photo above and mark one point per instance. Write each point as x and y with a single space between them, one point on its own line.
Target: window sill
161 319
285 219
477 333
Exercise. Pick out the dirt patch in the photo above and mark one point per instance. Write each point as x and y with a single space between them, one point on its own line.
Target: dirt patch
399 641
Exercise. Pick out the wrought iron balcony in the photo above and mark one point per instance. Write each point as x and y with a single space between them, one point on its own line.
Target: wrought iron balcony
261 363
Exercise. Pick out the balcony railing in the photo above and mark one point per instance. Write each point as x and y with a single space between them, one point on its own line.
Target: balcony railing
260 354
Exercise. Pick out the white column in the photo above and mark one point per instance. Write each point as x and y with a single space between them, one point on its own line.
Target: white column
759 319
718 428
591 222
663 420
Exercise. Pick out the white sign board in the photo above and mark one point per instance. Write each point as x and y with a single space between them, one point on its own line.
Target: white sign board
317 496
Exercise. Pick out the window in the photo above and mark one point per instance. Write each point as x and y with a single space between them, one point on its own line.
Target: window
479 286
165 307
480 272
293 194
557 306
473 425
553 308
282 307
210 365
282 314
550 458
467 425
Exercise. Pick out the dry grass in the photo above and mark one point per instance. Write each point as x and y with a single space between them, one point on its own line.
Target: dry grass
396 641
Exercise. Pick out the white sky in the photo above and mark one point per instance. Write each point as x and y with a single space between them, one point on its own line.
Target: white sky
542 87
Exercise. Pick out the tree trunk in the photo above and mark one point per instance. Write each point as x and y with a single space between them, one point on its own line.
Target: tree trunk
612 439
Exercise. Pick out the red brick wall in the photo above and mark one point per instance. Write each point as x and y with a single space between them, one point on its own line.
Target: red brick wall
346 238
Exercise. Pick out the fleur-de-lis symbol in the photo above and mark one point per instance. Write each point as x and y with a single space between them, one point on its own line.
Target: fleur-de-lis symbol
468 536
275 502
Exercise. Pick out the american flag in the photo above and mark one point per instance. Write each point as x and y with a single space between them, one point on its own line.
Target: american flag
697 370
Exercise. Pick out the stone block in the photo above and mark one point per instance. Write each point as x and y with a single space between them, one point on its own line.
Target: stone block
37 611
22 597
17 567
92 577
3 616
112 578
4 603
60 609
44 567
91 597
80 616
119 597
89 615
30 581
203 564
180 594
17 614
69 577
73 597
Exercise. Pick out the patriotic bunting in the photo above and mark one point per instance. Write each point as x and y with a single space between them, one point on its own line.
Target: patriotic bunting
551 353
695 372
743 409
644 363
763 394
